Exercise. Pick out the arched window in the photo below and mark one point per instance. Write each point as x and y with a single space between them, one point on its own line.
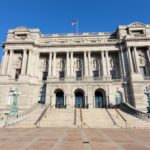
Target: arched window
118 98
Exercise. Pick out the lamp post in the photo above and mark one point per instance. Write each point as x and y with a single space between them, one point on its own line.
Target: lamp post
147 92
15 94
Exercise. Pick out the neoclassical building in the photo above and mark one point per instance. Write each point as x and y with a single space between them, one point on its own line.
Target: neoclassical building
68 70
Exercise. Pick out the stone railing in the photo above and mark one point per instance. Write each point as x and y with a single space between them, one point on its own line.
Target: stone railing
14 118
133 111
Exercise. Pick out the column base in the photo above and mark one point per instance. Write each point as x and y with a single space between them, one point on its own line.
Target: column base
136 77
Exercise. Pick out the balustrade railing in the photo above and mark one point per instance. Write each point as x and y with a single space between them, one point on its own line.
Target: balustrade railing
133 111
14 118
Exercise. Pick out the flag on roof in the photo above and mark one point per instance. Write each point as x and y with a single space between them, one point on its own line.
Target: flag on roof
74 22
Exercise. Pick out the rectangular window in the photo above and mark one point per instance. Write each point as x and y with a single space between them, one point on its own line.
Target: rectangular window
143 71
61 75
78 75
18 72
44 75
113 75
95 74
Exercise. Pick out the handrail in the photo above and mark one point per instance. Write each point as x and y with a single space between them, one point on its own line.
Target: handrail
122 117
81 117
42 114
75 118
19 116
133 111
109 114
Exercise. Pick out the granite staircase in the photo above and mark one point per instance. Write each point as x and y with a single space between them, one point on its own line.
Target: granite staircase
125 120
58 118
29 120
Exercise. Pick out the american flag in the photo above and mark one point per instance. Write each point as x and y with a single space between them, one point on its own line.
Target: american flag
74 22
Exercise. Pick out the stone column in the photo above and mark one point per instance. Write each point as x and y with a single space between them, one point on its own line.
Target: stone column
123 63
67 64
89 63
4 62
120 65
85 65
107 64
130 59
24 62
10 62
71 64
148 54
136 60
50 65
37 63
29 62
54 64
103 64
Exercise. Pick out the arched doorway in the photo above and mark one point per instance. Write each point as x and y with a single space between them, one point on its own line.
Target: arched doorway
100 99
59 99
79 99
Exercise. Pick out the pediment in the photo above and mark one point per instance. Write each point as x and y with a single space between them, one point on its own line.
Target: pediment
22 29
136 25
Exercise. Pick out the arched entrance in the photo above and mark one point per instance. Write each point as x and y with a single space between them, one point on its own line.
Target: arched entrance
59 99
100 99
79 98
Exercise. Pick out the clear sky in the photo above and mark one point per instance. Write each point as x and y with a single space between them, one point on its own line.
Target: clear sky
55 16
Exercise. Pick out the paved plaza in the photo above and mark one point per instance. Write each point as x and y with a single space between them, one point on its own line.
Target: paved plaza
74 139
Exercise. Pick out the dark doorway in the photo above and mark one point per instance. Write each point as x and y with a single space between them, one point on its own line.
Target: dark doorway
79 99
59 99
99 100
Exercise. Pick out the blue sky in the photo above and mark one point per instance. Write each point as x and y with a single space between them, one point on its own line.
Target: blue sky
55 16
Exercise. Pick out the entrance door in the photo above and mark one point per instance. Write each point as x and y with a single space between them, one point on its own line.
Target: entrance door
59 100
98 99
79 100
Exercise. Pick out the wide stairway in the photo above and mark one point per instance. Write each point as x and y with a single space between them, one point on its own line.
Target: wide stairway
58 118
79 118
125 120
97 118
29 120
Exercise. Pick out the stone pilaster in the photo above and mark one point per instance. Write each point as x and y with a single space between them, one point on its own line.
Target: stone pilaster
136 60
67 64
85 65
54 64
4 62
123 63
10 62
103 64
71 64
130 59
50 65
89 63
29 62
107 64
24 63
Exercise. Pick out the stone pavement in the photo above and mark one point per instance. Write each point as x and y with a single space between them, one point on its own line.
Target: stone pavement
74 139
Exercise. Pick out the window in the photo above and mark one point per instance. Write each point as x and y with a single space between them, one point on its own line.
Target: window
95 74
18 72
61 75
113 74
44 75
78 75
143 71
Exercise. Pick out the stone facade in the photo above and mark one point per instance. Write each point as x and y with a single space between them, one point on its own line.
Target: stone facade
64 69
